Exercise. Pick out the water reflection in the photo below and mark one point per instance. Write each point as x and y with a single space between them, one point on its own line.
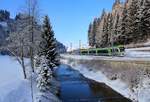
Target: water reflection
76 88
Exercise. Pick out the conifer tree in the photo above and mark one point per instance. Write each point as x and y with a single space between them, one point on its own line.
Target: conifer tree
47 60
44 74
127 23
104 39
95 25
99 32
90 30
131 32
48 45
145 20
110 30
122 38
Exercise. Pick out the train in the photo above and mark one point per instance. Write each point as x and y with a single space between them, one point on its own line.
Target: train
110 51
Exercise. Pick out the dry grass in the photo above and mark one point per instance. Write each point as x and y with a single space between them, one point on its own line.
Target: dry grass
131 72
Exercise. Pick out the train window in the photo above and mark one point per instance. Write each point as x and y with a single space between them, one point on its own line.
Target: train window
92 51
84 52
102 51
114 50
122 49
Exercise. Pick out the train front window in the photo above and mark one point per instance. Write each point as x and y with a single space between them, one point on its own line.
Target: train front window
122 49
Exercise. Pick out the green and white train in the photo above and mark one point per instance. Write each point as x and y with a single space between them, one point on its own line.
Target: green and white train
111 51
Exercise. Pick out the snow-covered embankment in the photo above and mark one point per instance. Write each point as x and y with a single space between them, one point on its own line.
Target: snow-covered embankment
128 77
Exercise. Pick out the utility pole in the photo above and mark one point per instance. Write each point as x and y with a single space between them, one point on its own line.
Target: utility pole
112 42
80 44
70 47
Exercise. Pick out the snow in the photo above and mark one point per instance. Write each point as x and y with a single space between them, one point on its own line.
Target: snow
142 93
139 49
98 76
18 91
137 54
13 87
143 52
148 42
144 90
89 57
117 85
4 24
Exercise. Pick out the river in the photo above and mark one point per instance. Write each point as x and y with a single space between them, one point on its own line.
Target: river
74 87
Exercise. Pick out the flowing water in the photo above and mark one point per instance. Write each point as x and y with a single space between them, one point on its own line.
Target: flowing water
74 87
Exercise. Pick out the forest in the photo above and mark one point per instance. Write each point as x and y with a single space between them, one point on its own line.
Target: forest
127 23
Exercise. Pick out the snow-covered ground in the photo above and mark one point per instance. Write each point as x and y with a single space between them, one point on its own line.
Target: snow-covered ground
142 93
118 85
142 52
13 87
4 24
89 57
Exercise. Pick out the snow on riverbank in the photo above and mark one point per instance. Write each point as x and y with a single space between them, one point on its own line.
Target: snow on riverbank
141 93
98 76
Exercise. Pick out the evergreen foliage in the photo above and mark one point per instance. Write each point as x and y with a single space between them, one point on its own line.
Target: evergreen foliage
44 74
131 26
122 36
129 22
4 15
145 19
48 44
46 60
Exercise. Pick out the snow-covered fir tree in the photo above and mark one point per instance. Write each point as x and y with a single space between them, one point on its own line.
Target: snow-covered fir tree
44 81
48 60
104 39
48 45
92 40
122 36
110 30
90 32
100 32
131 26
145 19
44 74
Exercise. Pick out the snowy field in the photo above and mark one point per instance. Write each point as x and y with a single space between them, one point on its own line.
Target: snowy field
13 87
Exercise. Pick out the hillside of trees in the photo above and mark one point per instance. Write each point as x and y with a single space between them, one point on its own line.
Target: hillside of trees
127 23
15 26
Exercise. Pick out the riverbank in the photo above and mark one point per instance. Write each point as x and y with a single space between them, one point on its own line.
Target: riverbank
128 77
77 88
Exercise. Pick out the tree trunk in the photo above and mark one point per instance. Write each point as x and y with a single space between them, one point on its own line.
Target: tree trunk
24 71
22 61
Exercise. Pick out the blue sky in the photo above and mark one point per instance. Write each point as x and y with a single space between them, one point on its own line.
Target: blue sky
70 18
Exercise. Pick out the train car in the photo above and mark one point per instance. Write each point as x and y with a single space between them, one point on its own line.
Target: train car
112 51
